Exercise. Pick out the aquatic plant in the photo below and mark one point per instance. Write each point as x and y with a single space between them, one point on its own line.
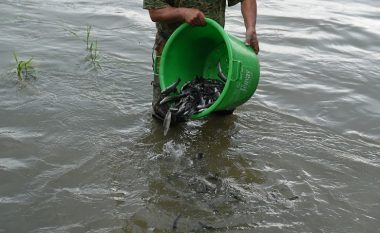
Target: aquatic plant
92 47
88 34
72 32
24 69
93 51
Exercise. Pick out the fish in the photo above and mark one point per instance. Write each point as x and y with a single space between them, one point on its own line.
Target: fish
203 107
171 88
205 227
171 98
194 96
167 121
175 223
182 108
293 198
220 73
185 86
200 155
217 93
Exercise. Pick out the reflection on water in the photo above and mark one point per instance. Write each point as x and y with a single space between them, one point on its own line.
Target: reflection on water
80 152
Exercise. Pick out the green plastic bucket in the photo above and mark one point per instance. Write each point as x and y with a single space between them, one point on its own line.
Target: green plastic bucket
192 51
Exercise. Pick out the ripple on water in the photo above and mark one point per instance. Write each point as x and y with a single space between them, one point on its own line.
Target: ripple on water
10 164
79 151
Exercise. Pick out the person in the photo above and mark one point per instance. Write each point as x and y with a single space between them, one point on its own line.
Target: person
170 14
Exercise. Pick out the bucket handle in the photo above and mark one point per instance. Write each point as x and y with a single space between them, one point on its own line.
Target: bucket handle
236 70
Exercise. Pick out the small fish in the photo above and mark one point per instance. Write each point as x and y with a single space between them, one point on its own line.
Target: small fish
220 73
182 108
217 93
171 98
185 86
202 107
167 121
293 198
206 227
193 97
165 100
171 88
176 222
203 102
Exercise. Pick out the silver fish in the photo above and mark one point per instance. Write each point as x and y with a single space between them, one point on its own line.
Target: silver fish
185 85
217 93
193 97
171 98
220 73
204 106
171 88
167 120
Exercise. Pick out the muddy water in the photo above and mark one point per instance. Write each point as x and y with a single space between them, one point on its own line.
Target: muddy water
79 151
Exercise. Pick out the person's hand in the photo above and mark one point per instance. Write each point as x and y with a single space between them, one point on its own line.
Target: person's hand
251 39
193 16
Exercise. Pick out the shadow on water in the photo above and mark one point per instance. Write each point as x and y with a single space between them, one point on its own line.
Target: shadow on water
194 181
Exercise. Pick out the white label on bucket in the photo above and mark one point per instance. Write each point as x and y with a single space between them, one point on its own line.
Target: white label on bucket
246 80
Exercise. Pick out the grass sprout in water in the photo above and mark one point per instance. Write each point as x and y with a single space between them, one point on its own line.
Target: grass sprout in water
24 69
94 53
88 34
92 48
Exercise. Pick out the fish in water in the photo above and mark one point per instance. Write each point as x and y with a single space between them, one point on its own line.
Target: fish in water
167 121
206 227
195 96
175 223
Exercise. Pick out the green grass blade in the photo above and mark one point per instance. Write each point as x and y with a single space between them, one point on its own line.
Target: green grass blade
15 56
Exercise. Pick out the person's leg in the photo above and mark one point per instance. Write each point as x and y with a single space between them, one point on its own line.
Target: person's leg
158 112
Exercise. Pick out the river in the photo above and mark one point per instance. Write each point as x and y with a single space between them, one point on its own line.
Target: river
80 152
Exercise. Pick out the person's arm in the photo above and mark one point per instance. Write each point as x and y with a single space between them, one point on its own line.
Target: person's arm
249 11
170 14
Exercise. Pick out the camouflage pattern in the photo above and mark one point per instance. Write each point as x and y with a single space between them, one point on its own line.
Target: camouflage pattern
157 51
214 9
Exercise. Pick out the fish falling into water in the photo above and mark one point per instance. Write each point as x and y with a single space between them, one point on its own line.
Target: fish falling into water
194 96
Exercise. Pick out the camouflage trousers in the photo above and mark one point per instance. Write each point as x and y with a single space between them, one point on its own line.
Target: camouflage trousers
157 51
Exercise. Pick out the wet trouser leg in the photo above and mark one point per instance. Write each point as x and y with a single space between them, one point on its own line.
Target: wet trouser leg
156 98
157 51
156 90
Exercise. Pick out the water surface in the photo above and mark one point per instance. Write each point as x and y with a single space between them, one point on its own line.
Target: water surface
80 152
